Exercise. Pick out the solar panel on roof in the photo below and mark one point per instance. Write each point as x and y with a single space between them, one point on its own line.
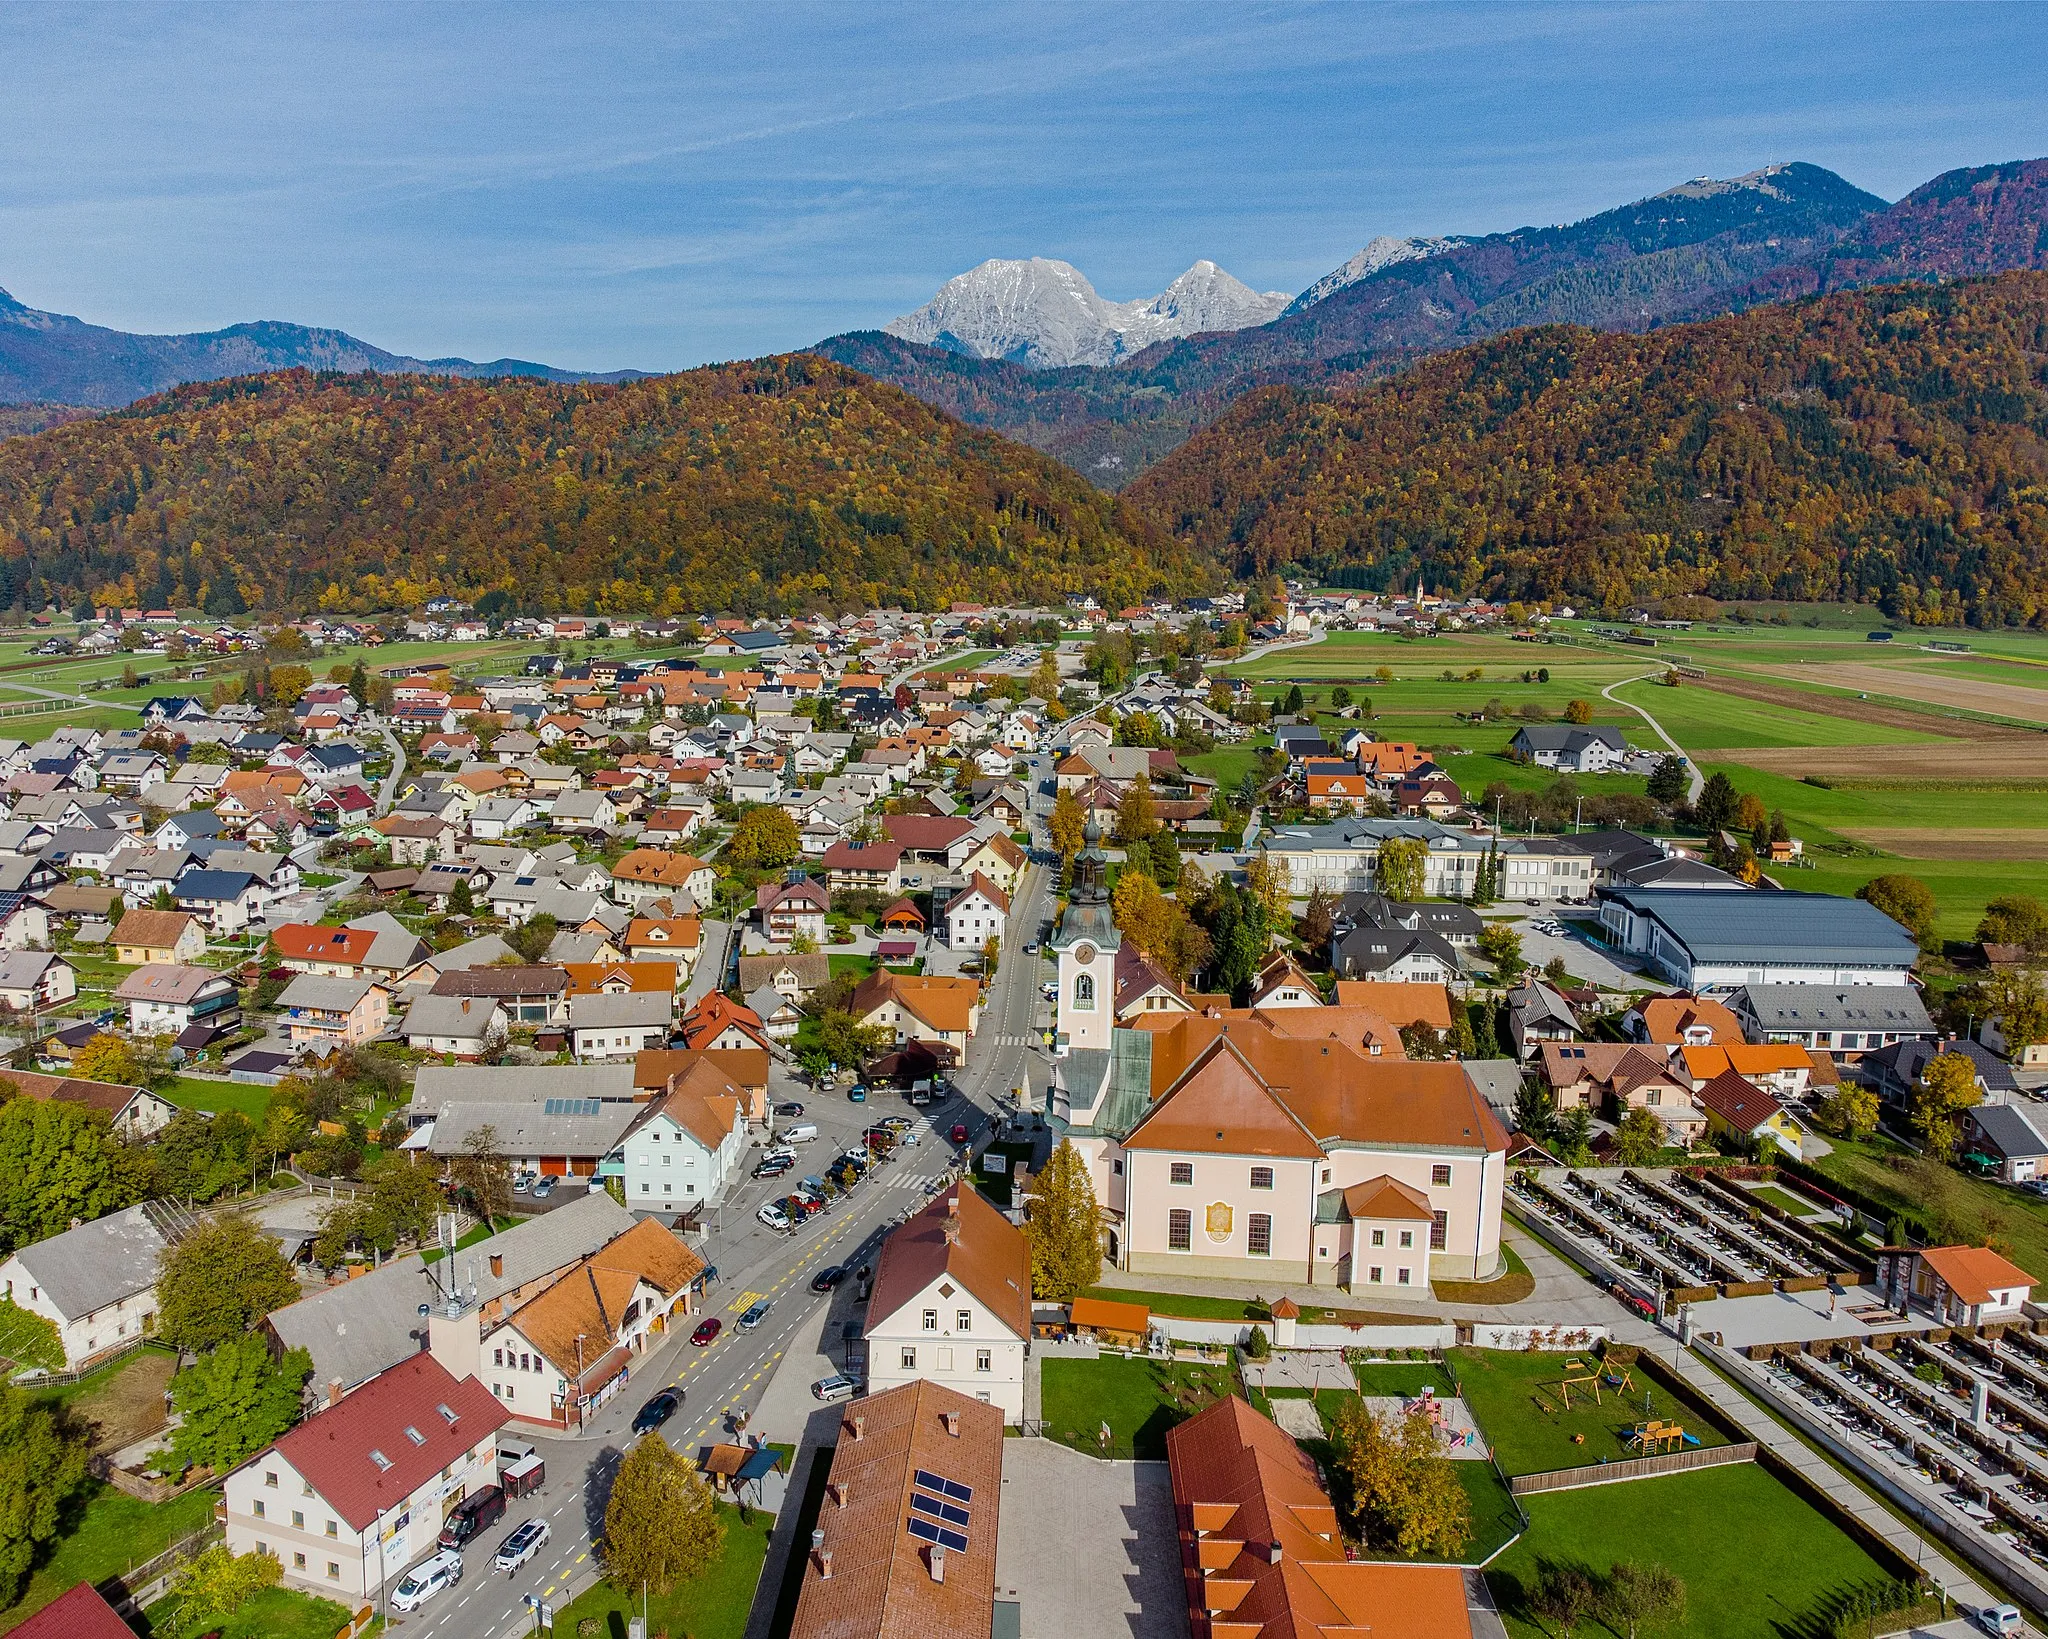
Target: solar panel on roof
925 1531
938 1482
938 1510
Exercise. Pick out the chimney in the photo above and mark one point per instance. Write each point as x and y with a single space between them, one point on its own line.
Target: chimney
334 1391
1272 1553
497 1265
938 1562
858 1423
824 1564
842 1492
953 1220
951 1420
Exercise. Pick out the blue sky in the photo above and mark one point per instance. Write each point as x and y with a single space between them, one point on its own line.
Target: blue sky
661 185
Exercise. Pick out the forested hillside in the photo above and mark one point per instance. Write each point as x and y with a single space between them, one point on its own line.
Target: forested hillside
1887 444
771 486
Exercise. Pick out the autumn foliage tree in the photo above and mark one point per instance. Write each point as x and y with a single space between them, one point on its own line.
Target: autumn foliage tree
1404 1495
1063 1227
661 1525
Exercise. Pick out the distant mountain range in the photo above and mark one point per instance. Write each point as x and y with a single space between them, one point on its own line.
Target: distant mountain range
1702 248
52 358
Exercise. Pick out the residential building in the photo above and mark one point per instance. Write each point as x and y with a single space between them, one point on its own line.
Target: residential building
951 1303
1343 856
905 1545
1683 1021
976 914
532 996
32 979
1262 1549
371 947
163 999
611 1025
1896 1070
1571 748
1739 1108
2013 1135
324 1014
1842 1019
95 1283
683 1150
358 1491
1747 937
144 936
466 1027
134 1113
792 909
875 866
922 1008
1612 1078
227 901
674 939
1537 1014
656 873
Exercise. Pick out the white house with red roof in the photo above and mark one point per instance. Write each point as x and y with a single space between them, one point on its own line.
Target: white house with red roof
976 914
358 1491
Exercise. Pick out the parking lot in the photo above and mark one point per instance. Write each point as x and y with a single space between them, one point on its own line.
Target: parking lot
1087 1548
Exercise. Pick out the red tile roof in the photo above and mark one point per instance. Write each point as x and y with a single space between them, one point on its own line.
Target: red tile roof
987 1255
79 1614
332 1448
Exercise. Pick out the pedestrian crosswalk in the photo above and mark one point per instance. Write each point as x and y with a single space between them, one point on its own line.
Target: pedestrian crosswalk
1032 1040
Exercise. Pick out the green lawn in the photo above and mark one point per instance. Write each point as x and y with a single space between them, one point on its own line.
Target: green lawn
1139 1400
1789 1203
475 1233
1951 1204
108 1533
1227 765
217 1097
714 1606
1405 1378
1521 1415
1187 1305
1754 1557
275 1613
1707 719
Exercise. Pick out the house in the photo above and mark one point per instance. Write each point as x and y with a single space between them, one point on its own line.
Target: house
1401 1005
876 867
468 1027
96 1282
1780 1068
1262 1549
1896 1070
359 1490
1958 1285
82 1612
1739 1108
163 999
1849 1020
1702 939
159 936
134 1113
789 974
30 979
1142 986
529 995
323 1014
227 901
1571 748
568 1351
951 1303
718 1024
1612 1078
611 1025
1683 1021
1537 1014
674 939
780 1017
906 1546
655 873
684 1149
919 1008
560 1121
372 947
792 909
1394 955
999 859
975 915
2013 1135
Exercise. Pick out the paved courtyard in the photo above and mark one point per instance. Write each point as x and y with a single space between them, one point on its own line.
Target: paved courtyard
1088 1548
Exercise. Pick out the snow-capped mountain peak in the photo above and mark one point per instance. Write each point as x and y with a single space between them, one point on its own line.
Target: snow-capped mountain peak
1381 252
1045 313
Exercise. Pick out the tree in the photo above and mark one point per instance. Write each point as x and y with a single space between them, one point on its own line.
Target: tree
1716 805
1136 817
1066 825
849 1042
1045 676
1501 945
1294 701
2015 919
105 1058
1319 921
235 1401
1947 1086
60 1161
1270 884
1163 858
1403 868
1403 1493
2015 998
1639 1137
1637 1596
1064 1228
481 1172
42 1466
1668 779
1536 1110
766 838
1851 1110
218 1282
1564 1596
1575 1136
1340 697
1156 925
216 1584
530 940
1578 711
661 1525
1907 901
1139 728
1750 816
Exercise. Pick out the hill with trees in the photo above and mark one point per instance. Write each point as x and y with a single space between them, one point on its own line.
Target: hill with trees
773 486
1888 444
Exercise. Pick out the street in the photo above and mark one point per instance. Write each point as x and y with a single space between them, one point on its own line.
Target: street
754 1262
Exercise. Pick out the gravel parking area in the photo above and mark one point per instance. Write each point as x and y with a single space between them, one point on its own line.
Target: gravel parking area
1088 1548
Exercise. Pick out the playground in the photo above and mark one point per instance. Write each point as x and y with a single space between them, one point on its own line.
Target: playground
1550 1411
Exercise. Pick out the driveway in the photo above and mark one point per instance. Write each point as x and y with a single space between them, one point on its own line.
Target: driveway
1087 1548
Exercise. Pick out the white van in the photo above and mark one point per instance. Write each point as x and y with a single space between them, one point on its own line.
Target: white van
802 1133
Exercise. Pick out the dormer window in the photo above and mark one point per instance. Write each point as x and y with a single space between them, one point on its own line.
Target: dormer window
383 1462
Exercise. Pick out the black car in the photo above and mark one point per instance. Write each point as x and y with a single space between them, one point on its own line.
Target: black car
789 1107
657 1411
827 1278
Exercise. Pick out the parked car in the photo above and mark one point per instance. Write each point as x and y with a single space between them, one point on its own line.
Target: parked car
521 1545
828 1277
789 1107
958 1134
707 1332
836 1387
856 1094
754 1316
2001 1619
657 1411
521 1182
426 1579
773 1169
543 1188
773 1216
478 1511
896 1123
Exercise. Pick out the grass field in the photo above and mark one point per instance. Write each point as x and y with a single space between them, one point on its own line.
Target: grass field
1703 720
1754 1556
1186 1305
107 1533
275 1613
218 1097
1518 1409
1138 1399
715 1606
1953 1205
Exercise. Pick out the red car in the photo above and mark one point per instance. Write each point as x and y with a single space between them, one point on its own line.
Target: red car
707 1332
959 1133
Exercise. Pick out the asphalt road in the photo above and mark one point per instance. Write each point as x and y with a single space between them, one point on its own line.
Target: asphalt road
755 1262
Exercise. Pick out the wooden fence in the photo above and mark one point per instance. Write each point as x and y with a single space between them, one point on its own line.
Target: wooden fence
1632 1468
